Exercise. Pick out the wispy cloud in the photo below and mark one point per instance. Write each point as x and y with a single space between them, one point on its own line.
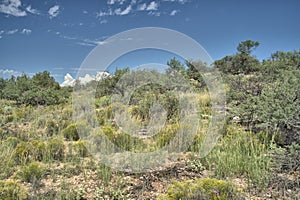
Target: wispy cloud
91 43
117 11
112 2
152 6
54 11
104 13
26 31
104 21
9 72
174 12
32 10
11 32
142 7
178 1
124 12
12 7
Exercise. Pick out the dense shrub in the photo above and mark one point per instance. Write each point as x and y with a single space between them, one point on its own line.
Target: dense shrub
51 128
23 152
71 133
10 190
80 149
56 148
39 150
31 173
240 153
201 189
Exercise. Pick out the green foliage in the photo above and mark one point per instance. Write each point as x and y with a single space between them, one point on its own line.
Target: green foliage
10 190
242 62
167 134
205 189
175 66
240 153
247 46
56 148
121 139
41 89
288 159
31 173
71 133
51 128
29 151
104 173
7 164
39 150
108 85
22 152
80 149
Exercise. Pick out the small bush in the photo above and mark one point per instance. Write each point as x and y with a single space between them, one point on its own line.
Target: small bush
71 133
104 173
51 128
31 173
56 148
167 134
23 152
205 189
10 190
80 148
39 150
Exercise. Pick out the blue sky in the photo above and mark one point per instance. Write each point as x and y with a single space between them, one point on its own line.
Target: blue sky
58 35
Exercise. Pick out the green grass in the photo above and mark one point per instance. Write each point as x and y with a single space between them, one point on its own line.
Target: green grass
240 154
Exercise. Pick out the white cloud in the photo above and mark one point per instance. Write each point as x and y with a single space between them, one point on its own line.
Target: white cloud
32 10
11 32
174 12
112 2
70 81
85 12
10 72
124 12
142 7
12 7
86 79
152 6
26 31
102 14
54 11
1 32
